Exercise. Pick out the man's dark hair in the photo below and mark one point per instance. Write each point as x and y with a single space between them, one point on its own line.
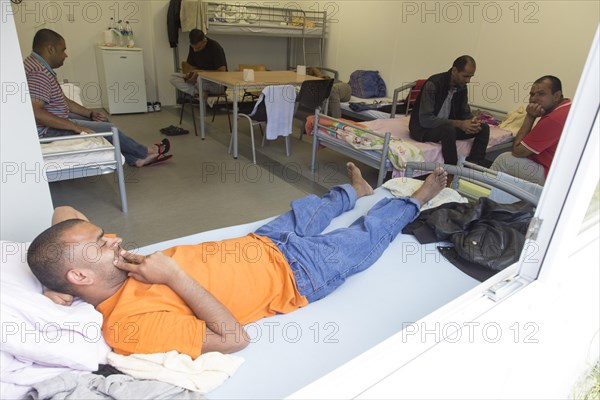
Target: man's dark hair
45 37
461 62
196 35
48 256
555 83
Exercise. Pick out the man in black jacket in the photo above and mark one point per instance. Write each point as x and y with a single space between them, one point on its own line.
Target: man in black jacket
205 55
442 114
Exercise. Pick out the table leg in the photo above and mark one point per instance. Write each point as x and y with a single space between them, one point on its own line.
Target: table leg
202 112
235 121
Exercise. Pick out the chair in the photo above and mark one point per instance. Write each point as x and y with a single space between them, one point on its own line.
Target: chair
252 94
313 94
281 99
187 98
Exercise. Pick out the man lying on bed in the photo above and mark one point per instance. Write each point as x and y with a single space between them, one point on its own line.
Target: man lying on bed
196 298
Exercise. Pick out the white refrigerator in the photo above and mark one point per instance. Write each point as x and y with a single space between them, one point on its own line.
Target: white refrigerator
122 81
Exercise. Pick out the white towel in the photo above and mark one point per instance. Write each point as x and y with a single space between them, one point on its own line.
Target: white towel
193 14
279 102
203 374
401 187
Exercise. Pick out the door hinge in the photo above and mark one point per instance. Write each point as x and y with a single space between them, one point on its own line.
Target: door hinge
503 288
534 228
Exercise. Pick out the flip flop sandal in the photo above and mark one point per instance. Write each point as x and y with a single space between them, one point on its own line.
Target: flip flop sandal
159 160
177 132
163 147
168 129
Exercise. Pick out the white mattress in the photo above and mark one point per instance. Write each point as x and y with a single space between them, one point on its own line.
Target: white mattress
82 159
290 351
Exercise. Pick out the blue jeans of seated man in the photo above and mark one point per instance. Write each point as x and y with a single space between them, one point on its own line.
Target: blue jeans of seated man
132 150
322 262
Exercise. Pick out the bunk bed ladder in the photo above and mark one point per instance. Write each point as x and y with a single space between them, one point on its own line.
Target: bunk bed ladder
312 47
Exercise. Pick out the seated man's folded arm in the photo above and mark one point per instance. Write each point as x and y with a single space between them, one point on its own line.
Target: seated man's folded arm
518 150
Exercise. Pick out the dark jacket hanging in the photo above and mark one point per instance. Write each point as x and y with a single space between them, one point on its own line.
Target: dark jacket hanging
173 22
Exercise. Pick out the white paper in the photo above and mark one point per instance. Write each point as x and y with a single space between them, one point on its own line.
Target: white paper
248 75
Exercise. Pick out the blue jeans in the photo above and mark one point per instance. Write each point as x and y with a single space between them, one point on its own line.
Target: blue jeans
322 262
131 149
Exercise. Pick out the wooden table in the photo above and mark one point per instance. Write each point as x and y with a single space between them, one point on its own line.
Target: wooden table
235 81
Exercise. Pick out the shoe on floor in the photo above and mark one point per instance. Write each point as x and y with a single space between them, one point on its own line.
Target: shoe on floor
177 131
163 147
167 129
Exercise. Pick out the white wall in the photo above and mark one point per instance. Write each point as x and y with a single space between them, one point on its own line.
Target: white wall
25 203
513 42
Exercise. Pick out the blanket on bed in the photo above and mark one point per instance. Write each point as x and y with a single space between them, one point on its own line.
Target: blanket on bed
400 150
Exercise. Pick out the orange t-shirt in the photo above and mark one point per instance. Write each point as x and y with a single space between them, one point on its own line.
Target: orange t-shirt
249 275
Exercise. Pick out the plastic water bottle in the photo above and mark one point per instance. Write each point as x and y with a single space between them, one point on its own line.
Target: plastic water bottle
108 34
129 36
116 35
122 34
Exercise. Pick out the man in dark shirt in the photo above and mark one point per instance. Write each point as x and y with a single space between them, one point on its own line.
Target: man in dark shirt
205 55
442 114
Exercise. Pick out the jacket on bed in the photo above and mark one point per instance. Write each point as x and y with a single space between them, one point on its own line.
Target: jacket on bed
459 108
486 233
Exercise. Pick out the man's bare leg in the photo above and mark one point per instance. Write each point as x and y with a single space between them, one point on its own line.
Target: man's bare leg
433 184
357 181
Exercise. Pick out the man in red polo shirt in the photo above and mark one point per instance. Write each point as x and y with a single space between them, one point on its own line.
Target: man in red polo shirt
534 147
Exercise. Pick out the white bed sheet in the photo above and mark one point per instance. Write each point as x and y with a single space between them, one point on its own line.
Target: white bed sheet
290 351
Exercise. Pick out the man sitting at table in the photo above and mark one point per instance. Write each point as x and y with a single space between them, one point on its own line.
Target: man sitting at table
205 55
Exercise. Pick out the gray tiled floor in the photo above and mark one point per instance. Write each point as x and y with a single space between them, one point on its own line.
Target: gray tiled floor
202 187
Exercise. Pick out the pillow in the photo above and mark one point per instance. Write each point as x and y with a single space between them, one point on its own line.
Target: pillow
36 330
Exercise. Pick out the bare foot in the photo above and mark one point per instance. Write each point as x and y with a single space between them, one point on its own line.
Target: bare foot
149 158
357 181
433 184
